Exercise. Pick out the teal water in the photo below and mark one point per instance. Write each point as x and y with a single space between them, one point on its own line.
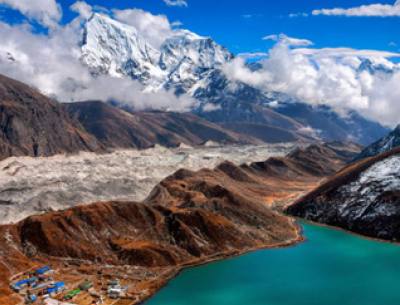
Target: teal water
330 268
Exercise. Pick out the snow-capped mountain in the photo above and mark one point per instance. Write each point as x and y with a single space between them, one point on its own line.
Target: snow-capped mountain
389 142
186 63
113 48
118 49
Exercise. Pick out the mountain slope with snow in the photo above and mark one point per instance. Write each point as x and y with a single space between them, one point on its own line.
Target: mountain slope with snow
119 50
189 64
362 198
387 143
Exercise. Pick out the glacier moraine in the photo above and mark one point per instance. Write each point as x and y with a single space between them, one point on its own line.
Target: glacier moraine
31 186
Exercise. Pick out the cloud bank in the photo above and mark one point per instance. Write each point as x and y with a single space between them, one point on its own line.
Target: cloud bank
340 78
371 10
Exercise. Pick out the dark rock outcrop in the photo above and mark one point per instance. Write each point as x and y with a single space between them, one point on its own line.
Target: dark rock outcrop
33 125
363 198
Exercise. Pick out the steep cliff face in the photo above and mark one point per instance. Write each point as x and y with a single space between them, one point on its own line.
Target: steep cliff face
364 198
33 125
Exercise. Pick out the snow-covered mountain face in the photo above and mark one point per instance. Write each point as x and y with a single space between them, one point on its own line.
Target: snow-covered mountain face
186 63
363 198
389 142
117 49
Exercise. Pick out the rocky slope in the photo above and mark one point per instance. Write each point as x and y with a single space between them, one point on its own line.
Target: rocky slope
116 128
30 186
362 198
33 125
189 218
387 143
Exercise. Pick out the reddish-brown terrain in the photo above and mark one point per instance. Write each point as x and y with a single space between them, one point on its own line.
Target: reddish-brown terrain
189 218
33 125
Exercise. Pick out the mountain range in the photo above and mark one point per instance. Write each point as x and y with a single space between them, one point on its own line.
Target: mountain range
32 124
226 111
80 215
187 63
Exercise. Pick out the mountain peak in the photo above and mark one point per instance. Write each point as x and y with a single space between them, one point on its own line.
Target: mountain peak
111 47
117 49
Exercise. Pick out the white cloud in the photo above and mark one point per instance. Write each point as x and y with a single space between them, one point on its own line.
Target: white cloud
52 64
290 41
328 77
176 3
295 15
45 12
176 24
154 28
341 52
370 10
82 8
253 55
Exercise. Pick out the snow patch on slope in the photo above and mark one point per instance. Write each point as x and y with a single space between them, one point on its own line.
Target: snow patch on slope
361 196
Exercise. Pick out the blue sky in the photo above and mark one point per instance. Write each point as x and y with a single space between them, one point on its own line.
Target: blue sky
240 25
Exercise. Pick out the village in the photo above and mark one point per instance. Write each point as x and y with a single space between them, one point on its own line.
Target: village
47 286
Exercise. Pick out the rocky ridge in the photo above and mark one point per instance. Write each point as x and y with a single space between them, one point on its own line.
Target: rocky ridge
362 198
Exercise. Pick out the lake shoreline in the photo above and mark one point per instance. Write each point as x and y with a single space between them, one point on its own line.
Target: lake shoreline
300 238
335 228
330 258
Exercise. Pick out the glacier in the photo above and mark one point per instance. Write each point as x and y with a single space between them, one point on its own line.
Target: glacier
31 186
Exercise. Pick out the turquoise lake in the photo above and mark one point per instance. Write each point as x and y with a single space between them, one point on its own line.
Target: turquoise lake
330 268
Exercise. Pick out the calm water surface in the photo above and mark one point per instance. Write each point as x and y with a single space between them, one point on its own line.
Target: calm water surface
331 268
